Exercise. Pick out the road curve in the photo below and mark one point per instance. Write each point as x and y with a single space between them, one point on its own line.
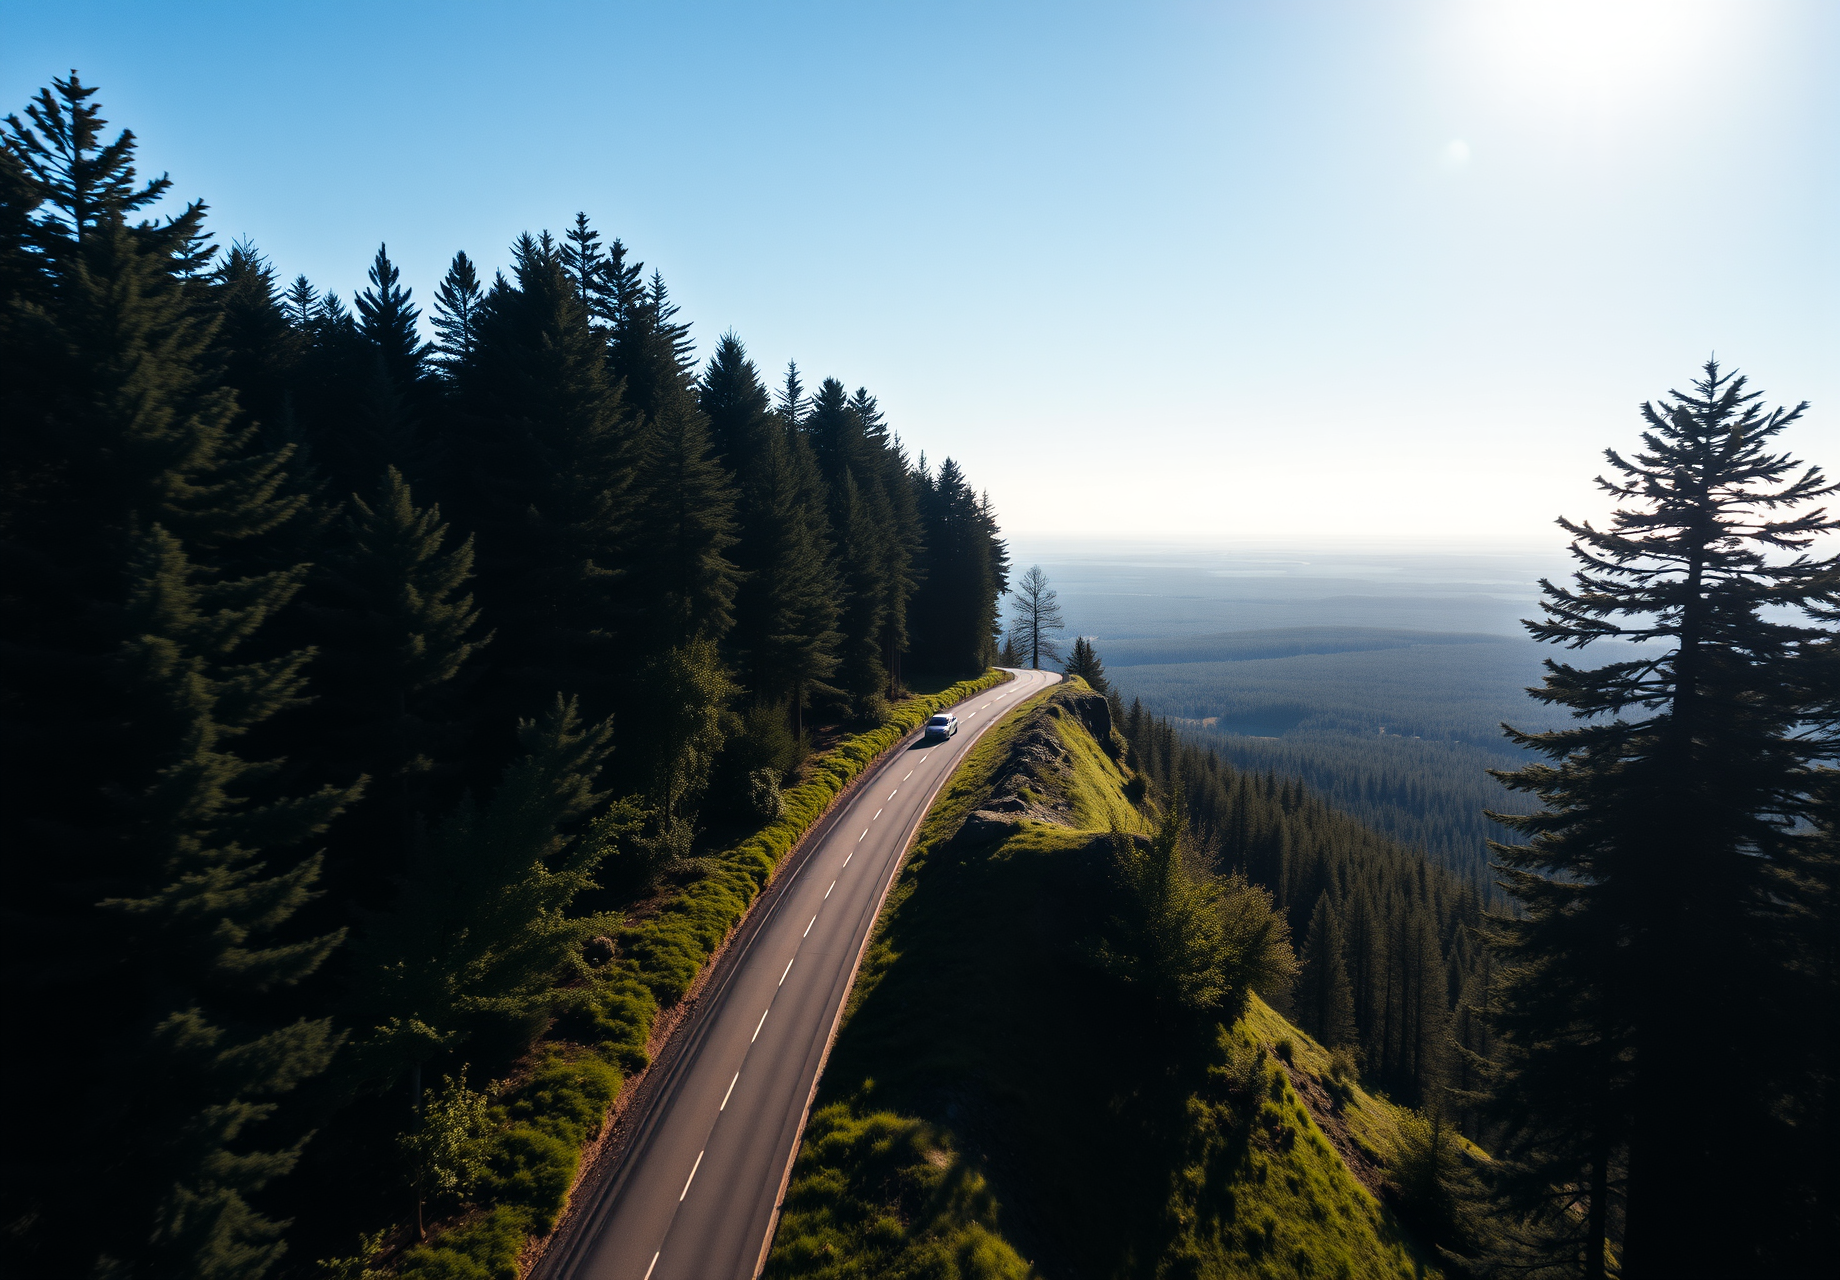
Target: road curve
696 1191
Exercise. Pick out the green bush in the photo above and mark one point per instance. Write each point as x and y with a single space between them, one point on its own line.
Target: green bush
553 1115
484 1249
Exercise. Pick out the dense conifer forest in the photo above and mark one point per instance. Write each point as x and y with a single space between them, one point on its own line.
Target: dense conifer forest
349 674
1390 965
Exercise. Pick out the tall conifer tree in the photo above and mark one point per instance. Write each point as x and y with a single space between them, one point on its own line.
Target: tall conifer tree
543 477
1324 1000
456 313
148 920
786 607
1673 850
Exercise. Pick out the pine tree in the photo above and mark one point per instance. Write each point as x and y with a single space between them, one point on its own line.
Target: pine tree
1673 849
651 352
904 548
872 561
684 718
148 927
955 607
396 634
394 400
302 304
586 264
543 470
791 403
258 343
860 670
1084 663
786 607
735 404
456 313
685 524
1036 613
482 940
390 323
1325 1001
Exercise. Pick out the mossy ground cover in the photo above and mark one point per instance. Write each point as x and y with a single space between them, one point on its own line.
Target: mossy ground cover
557 1106
996 1107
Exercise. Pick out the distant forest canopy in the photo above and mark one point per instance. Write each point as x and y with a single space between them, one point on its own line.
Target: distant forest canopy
327 648
1398 728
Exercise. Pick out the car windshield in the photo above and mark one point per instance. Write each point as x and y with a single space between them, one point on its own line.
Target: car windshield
941 720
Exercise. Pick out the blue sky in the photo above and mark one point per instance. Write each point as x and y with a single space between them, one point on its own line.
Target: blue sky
1222 272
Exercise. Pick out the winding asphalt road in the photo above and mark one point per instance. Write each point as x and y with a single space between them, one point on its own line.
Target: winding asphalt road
696 1193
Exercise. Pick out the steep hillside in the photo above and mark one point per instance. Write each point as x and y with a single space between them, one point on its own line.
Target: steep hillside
998 1106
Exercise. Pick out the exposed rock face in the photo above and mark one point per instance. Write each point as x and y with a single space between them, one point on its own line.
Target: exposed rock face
1031 783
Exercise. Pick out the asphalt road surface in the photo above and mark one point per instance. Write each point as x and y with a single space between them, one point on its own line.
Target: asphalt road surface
696 1191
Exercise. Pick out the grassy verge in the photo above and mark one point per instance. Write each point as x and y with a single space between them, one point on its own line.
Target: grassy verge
548 1119
995 1103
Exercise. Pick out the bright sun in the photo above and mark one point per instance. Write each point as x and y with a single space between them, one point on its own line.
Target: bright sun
1592 53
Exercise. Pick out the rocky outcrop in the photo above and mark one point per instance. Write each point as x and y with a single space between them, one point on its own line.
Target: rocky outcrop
1031 783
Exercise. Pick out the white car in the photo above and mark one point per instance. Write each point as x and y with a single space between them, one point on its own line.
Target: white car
943 725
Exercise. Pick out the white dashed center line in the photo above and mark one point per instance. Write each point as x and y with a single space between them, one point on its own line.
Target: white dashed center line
910 773
878 813
691 1178
782 977
759 1025
827 892
814 920
731 1089
649 1270
896 791
859 839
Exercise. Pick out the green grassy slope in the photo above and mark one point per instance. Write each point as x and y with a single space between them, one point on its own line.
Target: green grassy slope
995 1107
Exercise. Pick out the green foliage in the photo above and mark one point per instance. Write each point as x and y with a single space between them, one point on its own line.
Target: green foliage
356 1266
1192 941
1406 925
787 606
883 1195
1433 1176
160 940
483 937
483 1248
445 1151
1325 1000
684 721
1084 662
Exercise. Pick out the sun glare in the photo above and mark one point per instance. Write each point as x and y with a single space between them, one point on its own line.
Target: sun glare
1586 54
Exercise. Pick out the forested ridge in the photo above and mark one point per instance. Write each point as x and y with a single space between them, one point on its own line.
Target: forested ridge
1390 964
351 679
